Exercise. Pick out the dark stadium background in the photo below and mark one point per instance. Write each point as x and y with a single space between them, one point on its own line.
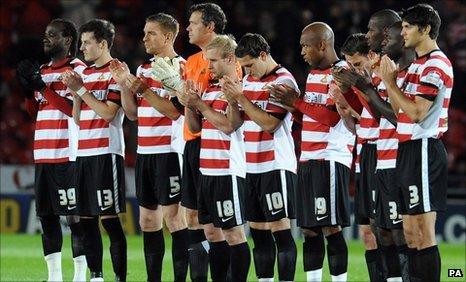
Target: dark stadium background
280 22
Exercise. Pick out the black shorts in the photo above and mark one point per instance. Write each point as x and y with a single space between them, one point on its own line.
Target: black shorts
364 198
191 173
322 197
387 203
421 167
101 185
221 200
158 179
265 194
55 189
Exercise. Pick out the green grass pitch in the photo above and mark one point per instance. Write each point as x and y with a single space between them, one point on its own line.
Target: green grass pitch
21 260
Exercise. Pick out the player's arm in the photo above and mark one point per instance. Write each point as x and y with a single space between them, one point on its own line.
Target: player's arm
106 110
188 98
77 101
415 109
120 73
265 120
378 106
219 120
234 114
344 109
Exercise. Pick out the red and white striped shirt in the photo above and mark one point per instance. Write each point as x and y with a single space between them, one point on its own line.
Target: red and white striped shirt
387 144
432 76
56 134
221 154
97 136
268 151
321 141
157 133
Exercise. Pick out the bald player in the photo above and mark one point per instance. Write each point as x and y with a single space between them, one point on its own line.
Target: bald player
322 198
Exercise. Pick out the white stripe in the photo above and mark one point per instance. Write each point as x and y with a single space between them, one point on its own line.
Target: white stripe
180 162
115 184
236 205
332 193
284 190
425 176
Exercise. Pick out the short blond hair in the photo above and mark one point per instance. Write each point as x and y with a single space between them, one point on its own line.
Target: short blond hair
225 43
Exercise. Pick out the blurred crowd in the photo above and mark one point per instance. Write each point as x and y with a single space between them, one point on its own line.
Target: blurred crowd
23 22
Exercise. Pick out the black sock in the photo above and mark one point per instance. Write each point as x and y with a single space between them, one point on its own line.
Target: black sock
219 259
52 239
198 256
286 254
154 249
375 275
77 246
92 242
313 252
337 253
412 264
117 246
392 261
264 252
180 255
240 259
430 258
403 257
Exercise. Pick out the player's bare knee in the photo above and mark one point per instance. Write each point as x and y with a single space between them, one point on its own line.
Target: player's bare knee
192 219
174 218
367 237
213 234
150 220
311 232
259 225
235 235
282 224
385 237
329 230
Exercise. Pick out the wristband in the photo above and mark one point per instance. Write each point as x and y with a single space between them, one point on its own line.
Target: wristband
81 91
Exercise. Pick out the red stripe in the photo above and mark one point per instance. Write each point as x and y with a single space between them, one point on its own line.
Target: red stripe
154 121
209 163
317 87
154 140
260 157
387 133
413 78
93 124
93 143
404 118
315 126
368 122
387 154
446 102
52 161
429 89
215 144
51 124
447 80
208 125
252 136
404 137
275 109
97 85
50 144
313 146
442 58
317 71
260 95
112 95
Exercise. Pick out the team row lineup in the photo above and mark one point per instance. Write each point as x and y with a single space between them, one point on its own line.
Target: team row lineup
227 137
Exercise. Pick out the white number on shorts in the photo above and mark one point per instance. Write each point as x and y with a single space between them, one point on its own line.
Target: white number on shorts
225 208
274 201
106 196
67 197
393 210
413 194
175 184
320 205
